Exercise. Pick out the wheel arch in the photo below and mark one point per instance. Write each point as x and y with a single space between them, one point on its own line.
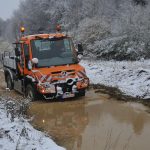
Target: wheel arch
10 73
29 81
32 84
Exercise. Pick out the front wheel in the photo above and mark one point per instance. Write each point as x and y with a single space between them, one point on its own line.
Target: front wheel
31 93
81 93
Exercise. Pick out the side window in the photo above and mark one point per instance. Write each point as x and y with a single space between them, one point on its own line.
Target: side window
26 54
26 50
18 46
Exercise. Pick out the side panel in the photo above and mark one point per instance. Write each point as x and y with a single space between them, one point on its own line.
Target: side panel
9 60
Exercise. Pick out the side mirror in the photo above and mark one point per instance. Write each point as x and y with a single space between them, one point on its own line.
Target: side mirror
80 49
17 52
35 61
32 62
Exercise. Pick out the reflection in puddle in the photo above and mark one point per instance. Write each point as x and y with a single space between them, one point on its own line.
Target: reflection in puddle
94 123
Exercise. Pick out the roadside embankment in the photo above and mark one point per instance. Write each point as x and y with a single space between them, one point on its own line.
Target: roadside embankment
125 80
17 134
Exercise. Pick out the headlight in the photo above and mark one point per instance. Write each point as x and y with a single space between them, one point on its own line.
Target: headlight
47 88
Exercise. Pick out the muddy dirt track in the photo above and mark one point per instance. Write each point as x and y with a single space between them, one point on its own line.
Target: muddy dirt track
94 122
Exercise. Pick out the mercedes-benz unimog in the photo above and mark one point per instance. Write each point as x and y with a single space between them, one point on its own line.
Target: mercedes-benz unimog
45 65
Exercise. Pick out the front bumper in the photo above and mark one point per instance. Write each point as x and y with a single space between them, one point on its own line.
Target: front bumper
67 89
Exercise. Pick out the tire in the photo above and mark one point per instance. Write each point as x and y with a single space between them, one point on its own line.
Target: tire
9 82
31 93
81 93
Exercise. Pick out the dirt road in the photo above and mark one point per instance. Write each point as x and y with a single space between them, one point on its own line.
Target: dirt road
94 122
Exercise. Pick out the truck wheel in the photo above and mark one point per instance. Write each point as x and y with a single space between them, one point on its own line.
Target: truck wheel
9 82
31 93
81 93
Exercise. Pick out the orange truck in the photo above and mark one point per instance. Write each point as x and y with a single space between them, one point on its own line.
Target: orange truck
45 65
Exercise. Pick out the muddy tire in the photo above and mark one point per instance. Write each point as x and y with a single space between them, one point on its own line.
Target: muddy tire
31 93
9 82
81 93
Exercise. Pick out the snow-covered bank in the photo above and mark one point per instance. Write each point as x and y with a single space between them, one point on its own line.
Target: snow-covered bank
132 78
20 135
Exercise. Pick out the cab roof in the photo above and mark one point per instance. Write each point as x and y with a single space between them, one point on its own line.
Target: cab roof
44 36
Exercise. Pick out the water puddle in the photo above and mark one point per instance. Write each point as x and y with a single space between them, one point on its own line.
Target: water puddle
94 122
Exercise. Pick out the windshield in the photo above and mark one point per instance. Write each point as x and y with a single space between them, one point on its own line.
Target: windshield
53 52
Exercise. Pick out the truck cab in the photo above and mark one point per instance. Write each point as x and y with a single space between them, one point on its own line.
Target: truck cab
45 65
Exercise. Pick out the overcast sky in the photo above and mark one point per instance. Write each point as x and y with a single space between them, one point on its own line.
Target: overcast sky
7 7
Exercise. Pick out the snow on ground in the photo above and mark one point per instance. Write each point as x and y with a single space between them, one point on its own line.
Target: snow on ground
132 78
20 135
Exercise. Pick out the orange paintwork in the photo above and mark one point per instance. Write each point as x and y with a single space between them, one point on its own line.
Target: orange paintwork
75 67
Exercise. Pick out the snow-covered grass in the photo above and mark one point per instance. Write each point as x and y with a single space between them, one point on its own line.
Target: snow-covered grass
20 135
132 78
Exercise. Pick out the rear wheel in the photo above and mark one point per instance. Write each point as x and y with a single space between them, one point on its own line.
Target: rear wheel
9 82
31 93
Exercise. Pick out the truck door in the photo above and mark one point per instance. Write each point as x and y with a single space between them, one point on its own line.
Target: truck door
26 58
18 82
19 59
23 58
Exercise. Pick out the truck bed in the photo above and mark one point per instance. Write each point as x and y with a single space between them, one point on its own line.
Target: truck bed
9 60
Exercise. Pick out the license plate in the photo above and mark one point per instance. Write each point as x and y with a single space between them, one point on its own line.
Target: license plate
49 90
68 95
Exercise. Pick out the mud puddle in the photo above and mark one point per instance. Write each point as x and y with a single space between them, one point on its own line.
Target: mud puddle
94 122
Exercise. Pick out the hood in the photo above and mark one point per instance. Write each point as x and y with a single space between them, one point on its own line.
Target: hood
56 73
